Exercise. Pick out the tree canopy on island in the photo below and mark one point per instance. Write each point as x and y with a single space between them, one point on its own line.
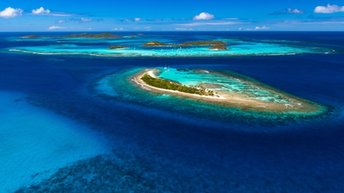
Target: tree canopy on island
169 85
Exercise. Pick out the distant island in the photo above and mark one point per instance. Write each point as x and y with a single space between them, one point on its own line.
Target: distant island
117 47
212 92
213 45
157 44
79 35
93 35
110 44
30 36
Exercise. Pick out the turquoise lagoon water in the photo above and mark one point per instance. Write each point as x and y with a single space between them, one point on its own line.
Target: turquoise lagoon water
165 143
224 83
99 47
119 87
34 143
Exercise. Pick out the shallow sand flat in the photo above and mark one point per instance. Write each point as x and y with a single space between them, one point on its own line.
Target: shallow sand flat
134 48
35 142
235 99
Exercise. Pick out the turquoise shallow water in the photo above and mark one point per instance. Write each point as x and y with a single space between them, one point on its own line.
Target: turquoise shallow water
224 83
34 143
99 47
165 143
119 87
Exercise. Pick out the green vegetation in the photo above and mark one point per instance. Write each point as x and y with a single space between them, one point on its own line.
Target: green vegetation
214 45
80 35
166 84
156 43
117 47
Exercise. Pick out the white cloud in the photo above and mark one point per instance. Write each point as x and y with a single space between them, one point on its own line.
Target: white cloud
44 11
329 9
41 11
10 12
60 14
204 16
118 29
183 29
295 11
81 19
60 21
137 19
85 19
257 28
311 22
55 27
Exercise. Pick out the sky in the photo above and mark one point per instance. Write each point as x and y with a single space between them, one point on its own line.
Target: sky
176 15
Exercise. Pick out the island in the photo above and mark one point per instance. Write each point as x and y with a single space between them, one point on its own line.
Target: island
93 35
227 90
149 46
156 44
213 45
117 47
30 36
80 35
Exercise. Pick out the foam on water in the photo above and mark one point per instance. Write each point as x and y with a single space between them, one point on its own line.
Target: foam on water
34 142
135 48
120 87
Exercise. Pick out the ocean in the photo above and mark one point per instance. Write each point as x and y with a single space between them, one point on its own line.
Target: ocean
58 133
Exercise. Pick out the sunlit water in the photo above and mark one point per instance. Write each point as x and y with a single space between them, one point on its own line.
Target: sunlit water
135 48
120 86
224 83
170 146
35 143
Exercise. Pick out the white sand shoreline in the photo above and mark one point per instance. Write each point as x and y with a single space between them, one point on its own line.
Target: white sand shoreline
230 99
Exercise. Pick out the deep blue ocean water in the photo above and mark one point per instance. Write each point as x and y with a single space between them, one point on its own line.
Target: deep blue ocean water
153 149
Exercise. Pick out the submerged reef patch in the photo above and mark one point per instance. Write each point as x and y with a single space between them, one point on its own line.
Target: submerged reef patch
226 90
225 95
36 142
112 45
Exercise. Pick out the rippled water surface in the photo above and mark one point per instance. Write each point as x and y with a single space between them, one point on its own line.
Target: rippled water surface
133 46
58 133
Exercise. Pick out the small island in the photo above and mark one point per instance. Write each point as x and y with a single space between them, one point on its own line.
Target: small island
252 95
93 35
80 35
157 44
213 45
117 47
30 36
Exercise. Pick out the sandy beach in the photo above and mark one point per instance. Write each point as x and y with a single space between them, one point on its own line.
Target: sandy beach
232 99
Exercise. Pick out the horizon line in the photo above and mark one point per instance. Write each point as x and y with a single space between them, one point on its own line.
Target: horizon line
111 31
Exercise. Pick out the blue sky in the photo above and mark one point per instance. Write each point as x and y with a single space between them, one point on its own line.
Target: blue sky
176 15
